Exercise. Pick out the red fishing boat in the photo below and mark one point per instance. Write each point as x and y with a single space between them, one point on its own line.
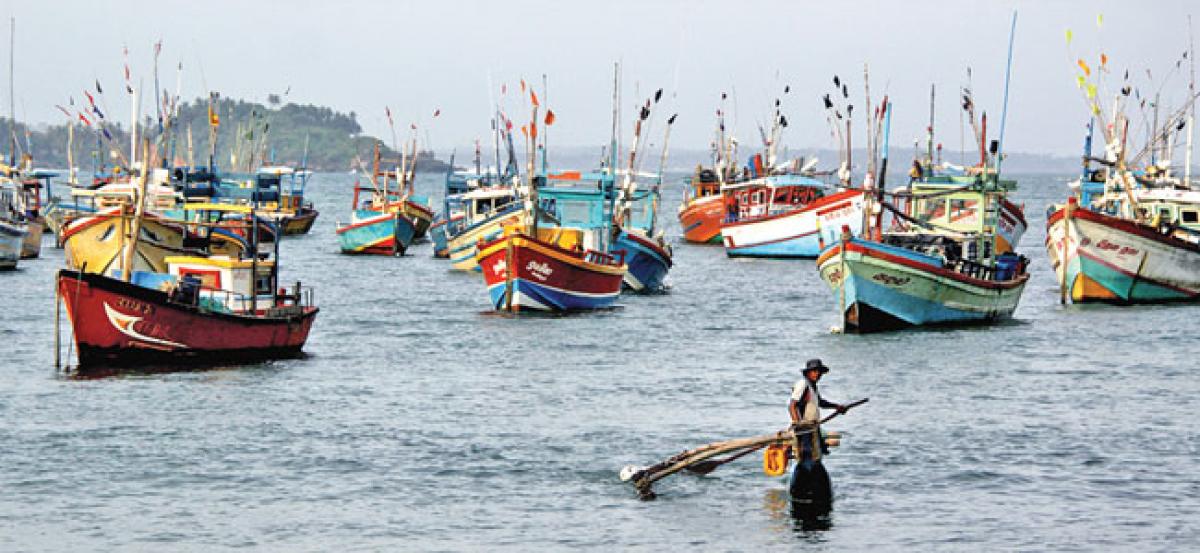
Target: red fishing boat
702 210
120 323
523 273
203 308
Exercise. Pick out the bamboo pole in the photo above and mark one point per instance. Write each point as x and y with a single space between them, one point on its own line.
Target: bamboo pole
57 332
131 245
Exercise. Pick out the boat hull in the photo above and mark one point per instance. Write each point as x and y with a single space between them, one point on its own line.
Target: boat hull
700 219
374 233
1010 227
94 244
648 261
888 288
524 274
11 238
1100 258
463 247
803 233
120 324
300 223
439 234
31 244
421 217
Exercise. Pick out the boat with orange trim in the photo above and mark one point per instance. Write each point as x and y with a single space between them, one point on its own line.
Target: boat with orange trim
702 209
523 273
787 216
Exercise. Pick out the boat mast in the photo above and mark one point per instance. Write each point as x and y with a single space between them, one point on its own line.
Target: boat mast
662 171
929 144
140 211
12 102
1191 122
1007 77
612 155
545 128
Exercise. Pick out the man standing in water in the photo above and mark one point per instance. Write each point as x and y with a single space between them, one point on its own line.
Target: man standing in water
810 483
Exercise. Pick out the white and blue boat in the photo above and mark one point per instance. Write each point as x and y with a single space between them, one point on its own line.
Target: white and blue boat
647 252
787 216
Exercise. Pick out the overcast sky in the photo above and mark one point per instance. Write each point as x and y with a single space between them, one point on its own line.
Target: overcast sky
420 56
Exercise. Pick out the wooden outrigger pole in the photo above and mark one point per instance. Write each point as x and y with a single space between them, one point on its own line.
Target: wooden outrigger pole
700 460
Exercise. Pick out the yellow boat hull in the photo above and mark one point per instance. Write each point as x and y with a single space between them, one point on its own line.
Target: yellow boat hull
95 244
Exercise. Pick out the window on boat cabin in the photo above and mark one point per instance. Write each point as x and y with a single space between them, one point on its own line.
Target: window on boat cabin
756 198
574 212
262 284
639 212
963 210
931 209
1189 217
784 195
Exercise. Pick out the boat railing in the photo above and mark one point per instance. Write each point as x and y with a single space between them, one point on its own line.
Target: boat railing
973 269
600 258
227 301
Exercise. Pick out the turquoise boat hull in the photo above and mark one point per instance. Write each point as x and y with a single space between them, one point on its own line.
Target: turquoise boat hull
374 233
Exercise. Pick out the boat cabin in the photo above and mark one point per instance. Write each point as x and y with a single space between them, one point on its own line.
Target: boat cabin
483 203
768 196
964 204
223 283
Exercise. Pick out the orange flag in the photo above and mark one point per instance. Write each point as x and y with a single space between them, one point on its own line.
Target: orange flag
549 117
525 130
1086 70
533 97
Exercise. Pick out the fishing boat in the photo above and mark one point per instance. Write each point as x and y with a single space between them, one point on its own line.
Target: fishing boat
376 233
563 263
486 212
943 261
781 210
294 215
378 225
920 279
203 308
33 188
523 273
180 320
1130 231
12 229
703 206
635 225
787 216
94 243
647 252
702 209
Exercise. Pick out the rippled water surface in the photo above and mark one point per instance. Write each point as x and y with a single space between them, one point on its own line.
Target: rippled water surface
422 421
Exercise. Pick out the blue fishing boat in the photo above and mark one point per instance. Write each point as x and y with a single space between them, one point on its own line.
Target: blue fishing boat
646 250
375 233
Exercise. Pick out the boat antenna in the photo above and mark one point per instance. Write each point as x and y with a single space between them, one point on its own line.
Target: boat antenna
1007 77
12 102
1191 123
929 146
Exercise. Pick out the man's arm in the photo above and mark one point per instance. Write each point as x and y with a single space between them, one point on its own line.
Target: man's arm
831 405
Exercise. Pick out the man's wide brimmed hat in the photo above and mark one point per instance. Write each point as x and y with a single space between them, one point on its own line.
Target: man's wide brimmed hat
816 364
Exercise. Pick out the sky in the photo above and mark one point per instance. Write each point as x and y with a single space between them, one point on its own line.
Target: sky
452 56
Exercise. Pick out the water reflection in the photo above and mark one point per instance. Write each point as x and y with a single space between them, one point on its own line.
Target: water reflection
101 372
803 519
